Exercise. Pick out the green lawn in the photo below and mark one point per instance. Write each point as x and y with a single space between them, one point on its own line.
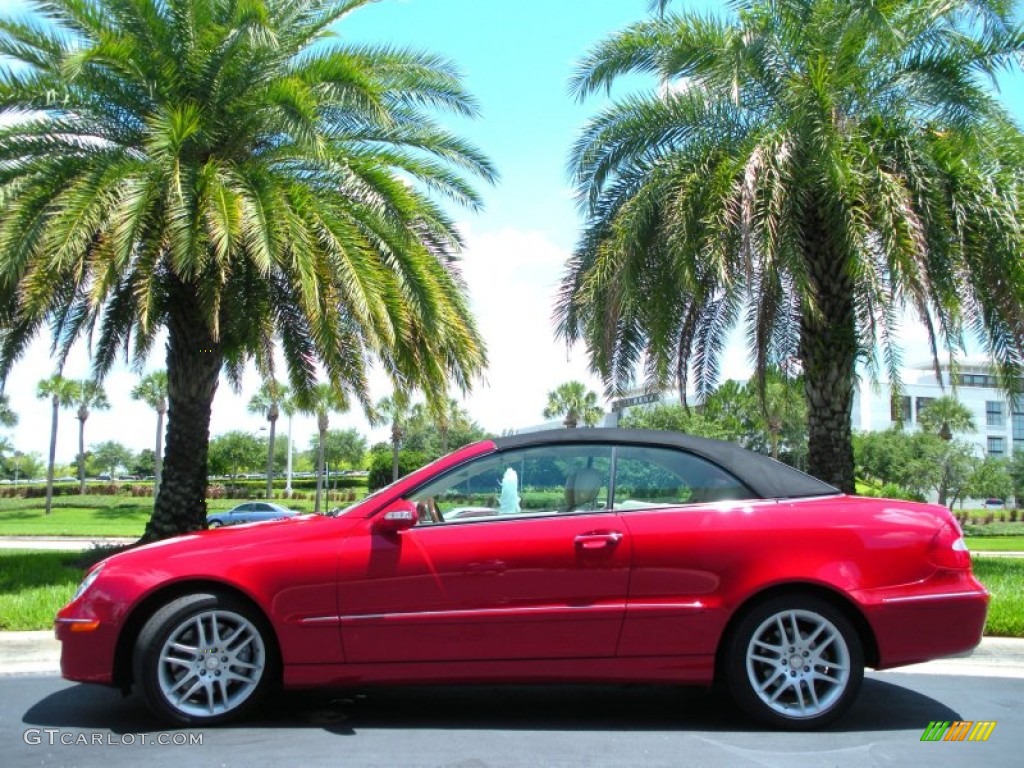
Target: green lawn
995 543
34 585
96 515
1004 578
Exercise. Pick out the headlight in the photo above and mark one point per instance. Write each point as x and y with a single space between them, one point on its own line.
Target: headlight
87 582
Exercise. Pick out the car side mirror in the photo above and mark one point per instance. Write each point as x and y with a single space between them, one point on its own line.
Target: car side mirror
398 516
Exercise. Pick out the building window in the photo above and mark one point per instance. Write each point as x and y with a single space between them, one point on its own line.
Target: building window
899 409
1018 425
997 447
994 416
922 403
975 380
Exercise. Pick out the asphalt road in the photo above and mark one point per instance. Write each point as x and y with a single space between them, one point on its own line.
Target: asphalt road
47 721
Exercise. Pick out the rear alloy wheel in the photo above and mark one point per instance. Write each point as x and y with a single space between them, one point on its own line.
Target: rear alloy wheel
794 662
204 659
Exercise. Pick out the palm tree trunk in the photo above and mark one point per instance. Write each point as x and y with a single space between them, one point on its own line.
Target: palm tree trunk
828 349
320 469
53 454
158 452
396 439
83 414
194 360
272 418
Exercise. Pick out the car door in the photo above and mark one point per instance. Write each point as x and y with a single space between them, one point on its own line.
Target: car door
261 512
499 567
679 510
240 514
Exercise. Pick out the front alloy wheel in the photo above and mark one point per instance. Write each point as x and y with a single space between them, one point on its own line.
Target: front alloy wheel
795 662
203 659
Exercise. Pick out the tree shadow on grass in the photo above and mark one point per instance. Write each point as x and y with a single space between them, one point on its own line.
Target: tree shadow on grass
28 570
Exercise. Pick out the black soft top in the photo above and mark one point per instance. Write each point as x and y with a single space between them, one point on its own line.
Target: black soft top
766 477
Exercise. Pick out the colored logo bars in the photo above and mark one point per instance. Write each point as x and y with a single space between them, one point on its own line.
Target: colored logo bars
958 730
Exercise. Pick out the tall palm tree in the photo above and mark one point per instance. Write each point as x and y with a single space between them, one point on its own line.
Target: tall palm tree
811 167
576 403
236 175
320 401
88 394
267 403
8 418
393 410
61 392
152 390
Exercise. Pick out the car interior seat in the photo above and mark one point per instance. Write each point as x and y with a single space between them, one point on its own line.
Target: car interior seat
582 488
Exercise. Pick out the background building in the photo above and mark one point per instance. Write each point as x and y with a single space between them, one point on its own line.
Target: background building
1000 423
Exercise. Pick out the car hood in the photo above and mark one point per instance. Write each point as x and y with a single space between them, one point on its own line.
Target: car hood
231 542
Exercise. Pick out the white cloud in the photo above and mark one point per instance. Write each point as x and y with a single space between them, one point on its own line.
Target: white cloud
513 276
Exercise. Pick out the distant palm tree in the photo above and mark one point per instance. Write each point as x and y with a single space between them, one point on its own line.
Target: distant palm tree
576 403
267 403
393 410
8 418
809 168
451 417
152 390
945 416
320 401
241 177
61 392
88 393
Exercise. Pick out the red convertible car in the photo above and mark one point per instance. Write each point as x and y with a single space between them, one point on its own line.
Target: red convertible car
585 555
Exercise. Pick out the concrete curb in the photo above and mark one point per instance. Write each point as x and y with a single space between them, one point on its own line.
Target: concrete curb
38 653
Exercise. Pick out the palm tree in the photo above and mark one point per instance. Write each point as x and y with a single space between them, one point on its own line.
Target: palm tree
61 392
394 409
262 187
267 402
320 401
945 416
576 403
8 418
152 390
813 168
88 393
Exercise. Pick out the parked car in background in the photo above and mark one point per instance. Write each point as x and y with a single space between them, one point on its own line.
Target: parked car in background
579 555
250 512
995 504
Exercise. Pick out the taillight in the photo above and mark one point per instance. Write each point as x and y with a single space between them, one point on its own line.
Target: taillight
949 550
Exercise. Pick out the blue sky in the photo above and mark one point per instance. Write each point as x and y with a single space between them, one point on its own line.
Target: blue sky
516 58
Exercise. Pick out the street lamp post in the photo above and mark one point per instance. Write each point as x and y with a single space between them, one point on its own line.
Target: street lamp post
17 466
288 482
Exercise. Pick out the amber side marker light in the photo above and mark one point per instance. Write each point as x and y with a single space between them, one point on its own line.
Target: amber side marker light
84 626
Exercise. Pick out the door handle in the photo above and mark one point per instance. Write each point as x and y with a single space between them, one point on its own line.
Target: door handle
598 540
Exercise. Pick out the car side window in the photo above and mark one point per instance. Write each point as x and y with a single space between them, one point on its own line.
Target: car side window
242 508
647 478
531 482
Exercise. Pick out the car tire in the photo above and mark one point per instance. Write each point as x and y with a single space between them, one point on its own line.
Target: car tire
204 659
794 662
214 524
